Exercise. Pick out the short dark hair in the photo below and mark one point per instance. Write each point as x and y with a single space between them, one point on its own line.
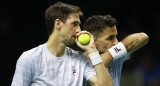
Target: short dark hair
60 11
97 23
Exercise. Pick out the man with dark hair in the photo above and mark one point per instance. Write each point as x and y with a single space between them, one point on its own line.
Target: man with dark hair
55 64
113 53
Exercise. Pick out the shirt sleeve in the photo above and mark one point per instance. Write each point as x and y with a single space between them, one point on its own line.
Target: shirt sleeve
89 70
23 72
119 62
126 57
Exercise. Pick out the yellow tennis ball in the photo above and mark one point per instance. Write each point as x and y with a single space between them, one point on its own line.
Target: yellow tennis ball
84 38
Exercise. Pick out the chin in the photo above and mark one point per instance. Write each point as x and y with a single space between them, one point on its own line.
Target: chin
70 43
101 52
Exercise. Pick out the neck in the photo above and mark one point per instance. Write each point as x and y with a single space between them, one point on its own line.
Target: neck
55 46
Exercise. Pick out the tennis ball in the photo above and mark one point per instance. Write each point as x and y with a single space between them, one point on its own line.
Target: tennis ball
84 38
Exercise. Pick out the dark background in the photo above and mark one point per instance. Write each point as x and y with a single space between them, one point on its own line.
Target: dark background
22 27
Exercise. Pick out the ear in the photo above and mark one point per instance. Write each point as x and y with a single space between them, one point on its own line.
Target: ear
96 43
58 24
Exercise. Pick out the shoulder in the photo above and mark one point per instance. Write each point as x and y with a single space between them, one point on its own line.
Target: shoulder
119 62
124 58
70 51
76 54
29 55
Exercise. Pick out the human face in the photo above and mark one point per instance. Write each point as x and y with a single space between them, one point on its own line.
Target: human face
70 28
106 39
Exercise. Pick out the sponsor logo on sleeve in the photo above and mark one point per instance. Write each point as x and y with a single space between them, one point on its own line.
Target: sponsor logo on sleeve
117 49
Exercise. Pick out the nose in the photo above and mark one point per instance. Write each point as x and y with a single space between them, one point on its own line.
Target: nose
78 30
115 41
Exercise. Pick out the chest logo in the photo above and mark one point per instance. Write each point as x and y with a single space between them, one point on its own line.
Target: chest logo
75 72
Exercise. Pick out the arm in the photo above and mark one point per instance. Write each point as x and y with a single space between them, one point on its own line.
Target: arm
102 77
135 41
101 73
22 76
132 43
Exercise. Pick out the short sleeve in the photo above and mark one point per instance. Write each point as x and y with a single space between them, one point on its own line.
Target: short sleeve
119 62
126 57
89 70
23 72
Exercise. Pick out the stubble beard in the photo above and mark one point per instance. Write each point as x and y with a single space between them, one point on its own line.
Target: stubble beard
70 42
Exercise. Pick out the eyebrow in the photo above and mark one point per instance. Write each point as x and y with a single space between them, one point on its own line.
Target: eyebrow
76 22
112 35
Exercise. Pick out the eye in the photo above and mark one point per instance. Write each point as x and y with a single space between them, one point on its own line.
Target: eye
110 38
75 23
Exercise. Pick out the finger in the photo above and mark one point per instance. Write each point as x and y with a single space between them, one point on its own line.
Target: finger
82 32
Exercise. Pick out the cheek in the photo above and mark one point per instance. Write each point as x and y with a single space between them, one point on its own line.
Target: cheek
110 44
69 32
72 30
102 46
105 45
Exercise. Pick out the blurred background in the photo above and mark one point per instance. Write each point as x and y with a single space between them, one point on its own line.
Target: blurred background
22 27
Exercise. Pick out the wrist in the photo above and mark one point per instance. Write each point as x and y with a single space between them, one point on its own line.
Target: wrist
91 50
117 51
95 58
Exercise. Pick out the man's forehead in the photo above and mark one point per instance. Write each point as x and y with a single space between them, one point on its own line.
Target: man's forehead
110 31
73 15
73 18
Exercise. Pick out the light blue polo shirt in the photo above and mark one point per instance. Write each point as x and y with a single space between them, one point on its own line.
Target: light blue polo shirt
115 69
38 67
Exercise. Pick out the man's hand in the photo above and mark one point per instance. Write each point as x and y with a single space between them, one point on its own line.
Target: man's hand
102 77
90 47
